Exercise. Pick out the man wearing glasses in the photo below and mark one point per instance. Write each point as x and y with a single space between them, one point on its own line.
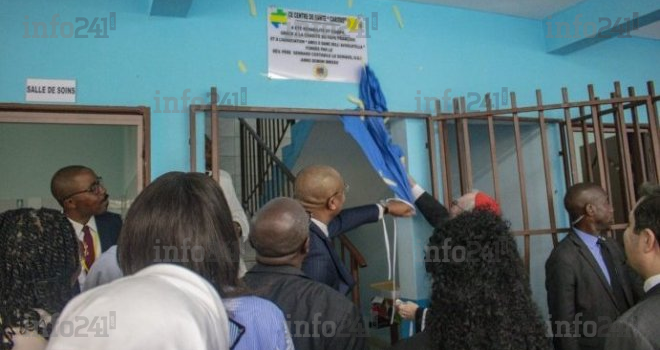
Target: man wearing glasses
322 192
84 201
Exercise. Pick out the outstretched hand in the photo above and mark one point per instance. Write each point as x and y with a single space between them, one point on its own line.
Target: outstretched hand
399 208
407 310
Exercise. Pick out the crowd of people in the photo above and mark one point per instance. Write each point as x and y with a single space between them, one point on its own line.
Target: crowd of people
170 275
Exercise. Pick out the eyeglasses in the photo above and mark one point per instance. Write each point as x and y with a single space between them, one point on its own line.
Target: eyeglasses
346 188
236 331
96 188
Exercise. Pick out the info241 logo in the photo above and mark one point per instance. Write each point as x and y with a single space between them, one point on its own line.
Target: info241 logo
98 27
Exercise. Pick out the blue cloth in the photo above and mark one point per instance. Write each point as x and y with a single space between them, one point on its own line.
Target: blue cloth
592 243
265 325
372 136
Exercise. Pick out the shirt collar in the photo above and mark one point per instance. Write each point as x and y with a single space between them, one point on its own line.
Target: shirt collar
651 282
78 226
322 226
590 240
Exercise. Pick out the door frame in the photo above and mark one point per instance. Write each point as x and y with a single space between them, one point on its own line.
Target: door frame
139 117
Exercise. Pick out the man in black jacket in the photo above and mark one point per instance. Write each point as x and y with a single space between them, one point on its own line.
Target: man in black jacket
588 282
638 327
318 316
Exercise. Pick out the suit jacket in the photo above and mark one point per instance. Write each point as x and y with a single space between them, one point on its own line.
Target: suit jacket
638 328
322 263
579 296
108 225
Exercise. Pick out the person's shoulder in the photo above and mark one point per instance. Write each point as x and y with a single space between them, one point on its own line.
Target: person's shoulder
636 326
251 302
565 247
643 312
321 291
108 216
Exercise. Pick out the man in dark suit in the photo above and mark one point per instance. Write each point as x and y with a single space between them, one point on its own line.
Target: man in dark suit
588 282
280 237
84 201
638 328
322 192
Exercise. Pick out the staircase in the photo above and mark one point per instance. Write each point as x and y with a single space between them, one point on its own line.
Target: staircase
264 175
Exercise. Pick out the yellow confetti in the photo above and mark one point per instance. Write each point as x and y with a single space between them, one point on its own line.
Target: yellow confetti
397 14
350 4
355 100
352 24
253 8
242 67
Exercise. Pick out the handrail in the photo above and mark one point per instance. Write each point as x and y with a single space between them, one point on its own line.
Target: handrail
261 182
352 249
272 131
266 149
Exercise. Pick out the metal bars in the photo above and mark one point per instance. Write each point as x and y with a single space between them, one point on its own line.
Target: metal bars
616 145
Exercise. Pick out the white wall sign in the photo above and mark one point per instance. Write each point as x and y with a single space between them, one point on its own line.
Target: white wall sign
50 90
315 46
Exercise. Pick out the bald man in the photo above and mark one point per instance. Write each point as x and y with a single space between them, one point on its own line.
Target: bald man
322 192
318 316
588 282
84 201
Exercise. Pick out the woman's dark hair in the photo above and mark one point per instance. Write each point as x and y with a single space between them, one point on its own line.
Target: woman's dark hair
480 289
39 261
183 219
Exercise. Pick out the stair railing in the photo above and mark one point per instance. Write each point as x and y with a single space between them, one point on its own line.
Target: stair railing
265 176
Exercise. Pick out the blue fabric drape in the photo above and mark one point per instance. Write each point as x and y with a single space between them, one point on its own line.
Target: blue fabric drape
374 139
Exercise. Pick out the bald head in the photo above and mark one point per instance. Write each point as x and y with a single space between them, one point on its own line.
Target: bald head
280 228
579 195
315 184
64 182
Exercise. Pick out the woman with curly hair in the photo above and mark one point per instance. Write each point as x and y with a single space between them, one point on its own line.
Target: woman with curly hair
481 296
39 264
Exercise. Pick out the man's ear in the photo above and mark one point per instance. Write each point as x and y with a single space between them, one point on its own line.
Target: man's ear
305 247
649 241
332 203
69 204
588 209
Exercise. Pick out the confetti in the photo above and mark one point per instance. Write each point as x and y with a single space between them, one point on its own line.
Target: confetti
242 67
397 14
253 8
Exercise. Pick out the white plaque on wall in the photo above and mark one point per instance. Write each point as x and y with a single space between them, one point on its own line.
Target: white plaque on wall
50 90
315 46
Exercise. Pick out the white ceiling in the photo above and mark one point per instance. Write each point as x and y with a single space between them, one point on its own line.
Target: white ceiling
533 9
